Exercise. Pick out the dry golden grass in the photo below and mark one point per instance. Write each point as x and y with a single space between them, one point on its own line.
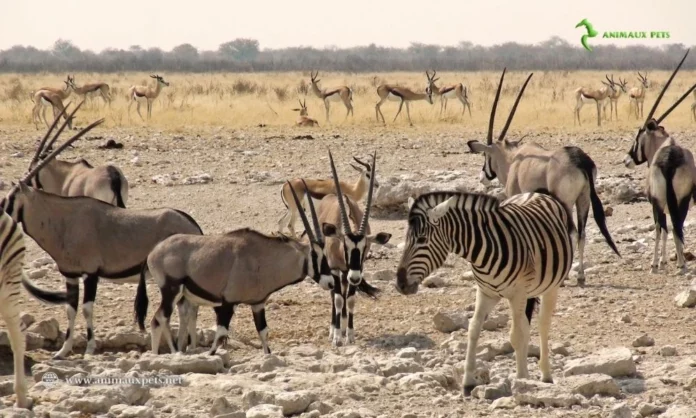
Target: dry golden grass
240 100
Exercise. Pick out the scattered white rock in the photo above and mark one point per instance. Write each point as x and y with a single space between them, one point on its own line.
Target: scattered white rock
621 411
202 178
36 274
687 298
647 409
265 411
589 385
48 329
615 362
449 322
127 411
668 351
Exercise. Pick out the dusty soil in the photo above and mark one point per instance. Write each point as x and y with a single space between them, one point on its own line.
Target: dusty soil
621 301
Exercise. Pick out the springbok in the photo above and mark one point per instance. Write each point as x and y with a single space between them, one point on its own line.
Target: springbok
91 90
584 95
64 93
568 173
458 91
304 119
318 188
671 180
401 95
614 97
146 94
636 95
341 93
44 99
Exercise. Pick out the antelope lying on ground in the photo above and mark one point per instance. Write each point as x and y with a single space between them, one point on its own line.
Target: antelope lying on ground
671 181
337 94
346 250
223 271
145 94
568 173
304 119
317 189
87 237
106 183
401 95
458 91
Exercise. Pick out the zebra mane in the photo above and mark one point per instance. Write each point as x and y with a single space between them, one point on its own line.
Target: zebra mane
430 200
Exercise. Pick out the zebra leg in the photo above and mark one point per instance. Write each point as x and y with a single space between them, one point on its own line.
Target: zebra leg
224 315
72 287
10 314
350 304
259 311
519 332
548 305
88 298
484 305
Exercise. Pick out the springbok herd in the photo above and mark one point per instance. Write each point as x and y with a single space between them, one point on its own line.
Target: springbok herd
520 249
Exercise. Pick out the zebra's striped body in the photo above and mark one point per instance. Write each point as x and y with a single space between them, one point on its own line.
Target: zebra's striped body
518 249
12 252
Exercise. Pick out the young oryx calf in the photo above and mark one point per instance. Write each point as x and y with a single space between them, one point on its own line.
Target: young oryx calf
317 189
346 249
671 181
87 237
569 173
526 252
106 183
304 119
223 271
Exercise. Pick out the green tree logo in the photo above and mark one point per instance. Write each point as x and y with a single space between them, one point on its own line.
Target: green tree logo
591 33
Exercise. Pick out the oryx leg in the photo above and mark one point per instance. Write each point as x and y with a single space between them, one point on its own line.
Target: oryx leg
334 328
10 314
678 232
583 207
548 304
171 291
339 323
72 290
88 299
484 305
259 311
660 229
350 304
223 314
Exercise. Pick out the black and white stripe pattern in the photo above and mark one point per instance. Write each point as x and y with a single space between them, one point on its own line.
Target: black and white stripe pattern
519 249
12 252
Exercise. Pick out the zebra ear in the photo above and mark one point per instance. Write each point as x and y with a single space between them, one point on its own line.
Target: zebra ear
439 211
411 201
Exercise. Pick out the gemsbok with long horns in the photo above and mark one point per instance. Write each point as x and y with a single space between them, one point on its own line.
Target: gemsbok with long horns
146 94
89 238
453 91
568 173
636 95
402 95
671 180
348 241
240 267
318 188
335 94
598 97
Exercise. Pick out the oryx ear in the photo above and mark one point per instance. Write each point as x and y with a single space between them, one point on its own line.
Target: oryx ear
478 147
411 201
439 211
329 230
381 238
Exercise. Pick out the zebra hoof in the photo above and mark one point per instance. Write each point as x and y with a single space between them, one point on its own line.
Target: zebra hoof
467 389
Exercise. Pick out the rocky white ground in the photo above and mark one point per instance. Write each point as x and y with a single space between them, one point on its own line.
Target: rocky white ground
624 346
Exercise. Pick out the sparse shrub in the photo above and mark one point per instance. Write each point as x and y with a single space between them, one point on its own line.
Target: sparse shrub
302 88
281 93
15 91
242 86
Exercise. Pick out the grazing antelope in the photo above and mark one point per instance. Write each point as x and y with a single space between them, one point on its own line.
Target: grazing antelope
614 97
636 95
583 95
304 120
526 252
346 250
45 99
241 267
88 237
336 94
147 94
401 95
568 173
318 188
12 259
671 180
91 90
453 91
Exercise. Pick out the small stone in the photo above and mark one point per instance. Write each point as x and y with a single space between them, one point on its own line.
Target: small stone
27 319
608 211
687 298
644 341
48 328
589 385
265 411
37 273
647 409
450 322
136 161
621 411
626 319
668 351
615 362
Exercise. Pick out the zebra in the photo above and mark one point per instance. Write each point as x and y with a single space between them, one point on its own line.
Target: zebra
12 255
520 249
